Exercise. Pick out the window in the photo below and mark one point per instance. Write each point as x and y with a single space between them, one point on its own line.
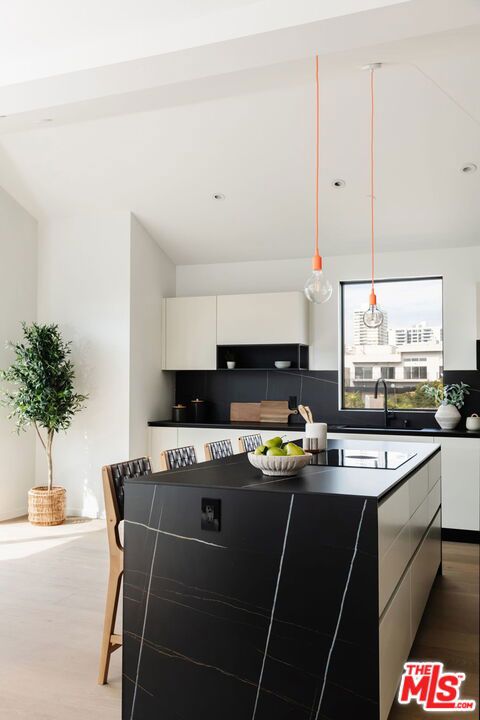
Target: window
387 373
363 373
417 372
406 350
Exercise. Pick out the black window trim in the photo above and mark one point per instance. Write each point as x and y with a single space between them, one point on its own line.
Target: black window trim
341 370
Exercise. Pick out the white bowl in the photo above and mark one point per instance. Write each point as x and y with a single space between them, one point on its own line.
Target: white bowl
279 465
282 364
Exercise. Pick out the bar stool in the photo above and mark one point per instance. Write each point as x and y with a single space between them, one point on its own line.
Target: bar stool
178 458
248 443
218 449
113 477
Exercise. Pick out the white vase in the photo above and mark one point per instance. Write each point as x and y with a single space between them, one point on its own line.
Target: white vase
231 364
447 416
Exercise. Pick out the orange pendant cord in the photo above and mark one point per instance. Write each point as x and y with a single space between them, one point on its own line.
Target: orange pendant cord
317 259
373 297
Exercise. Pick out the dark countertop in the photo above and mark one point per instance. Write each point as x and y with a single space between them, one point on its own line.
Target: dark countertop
291 427
236 472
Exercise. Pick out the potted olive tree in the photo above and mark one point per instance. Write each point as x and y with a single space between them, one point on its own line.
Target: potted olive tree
43 395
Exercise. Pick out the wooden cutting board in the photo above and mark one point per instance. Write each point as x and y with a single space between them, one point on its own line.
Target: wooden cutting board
275 411
245 412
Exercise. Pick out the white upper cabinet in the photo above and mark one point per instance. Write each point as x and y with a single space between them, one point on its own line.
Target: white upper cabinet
262 319
190 333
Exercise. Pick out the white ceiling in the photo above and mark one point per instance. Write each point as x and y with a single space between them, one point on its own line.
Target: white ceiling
163 151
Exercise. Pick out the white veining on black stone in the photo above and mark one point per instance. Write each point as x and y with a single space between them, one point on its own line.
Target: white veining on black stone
175 655
280 566
146 612
329 657
179 537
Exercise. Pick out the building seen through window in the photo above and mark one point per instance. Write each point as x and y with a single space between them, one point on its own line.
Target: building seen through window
406 350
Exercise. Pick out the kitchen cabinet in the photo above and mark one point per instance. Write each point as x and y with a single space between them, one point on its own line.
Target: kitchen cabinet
165 438
190 333
310 550
460 483
262 319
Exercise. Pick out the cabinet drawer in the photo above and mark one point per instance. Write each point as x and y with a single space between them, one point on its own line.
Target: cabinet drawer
423 570
434 499
418 524
418 488
392 566
393 515
434 470
395 640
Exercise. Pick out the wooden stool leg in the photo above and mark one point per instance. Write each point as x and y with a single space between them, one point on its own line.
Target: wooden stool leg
110 642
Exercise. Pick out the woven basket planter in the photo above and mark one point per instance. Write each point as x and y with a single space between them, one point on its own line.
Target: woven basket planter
46 507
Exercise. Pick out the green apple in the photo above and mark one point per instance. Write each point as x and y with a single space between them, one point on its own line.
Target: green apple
293 449
276 451
273 442
260 450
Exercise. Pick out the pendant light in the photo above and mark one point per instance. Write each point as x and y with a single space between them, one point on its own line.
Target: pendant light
317 288
373 317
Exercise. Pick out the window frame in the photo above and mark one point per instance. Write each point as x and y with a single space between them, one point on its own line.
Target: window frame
341 337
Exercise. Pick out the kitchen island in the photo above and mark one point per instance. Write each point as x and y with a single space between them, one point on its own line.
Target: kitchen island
256 598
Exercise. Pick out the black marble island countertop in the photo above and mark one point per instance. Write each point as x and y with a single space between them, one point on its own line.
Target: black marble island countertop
249 597
343 429
236 472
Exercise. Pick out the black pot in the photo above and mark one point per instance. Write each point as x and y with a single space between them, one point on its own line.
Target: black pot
179 413
199 410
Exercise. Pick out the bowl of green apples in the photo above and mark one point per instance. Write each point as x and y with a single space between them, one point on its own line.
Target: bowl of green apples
278 458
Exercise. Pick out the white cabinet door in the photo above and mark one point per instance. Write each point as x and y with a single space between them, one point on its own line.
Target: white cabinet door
381 438
159 439
190 333
395 642
460 483
262 319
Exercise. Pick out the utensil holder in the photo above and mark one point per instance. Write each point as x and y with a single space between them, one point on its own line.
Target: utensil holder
315 439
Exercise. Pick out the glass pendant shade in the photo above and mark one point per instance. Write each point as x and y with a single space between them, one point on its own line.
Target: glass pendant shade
318 288
373 317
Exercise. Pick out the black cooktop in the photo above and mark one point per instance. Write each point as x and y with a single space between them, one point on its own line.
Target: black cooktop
375 459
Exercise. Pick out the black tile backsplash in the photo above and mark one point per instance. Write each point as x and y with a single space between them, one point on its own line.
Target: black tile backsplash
316 388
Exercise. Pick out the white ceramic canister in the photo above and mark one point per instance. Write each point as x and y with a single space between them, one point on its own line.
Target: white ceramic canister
315 437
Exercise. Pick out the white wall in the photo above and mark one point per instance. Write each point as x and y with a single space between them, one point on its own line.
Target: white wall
18 289
84 286
102 279
460 268
151 390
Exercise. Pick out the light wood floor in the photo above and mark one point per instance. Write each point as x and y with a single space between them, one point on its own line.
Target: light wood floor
449 628
52 592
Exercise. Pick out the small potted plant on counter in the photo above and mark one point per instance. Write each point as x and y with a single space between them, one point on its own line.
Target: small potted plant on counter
449 398
45 397
230 360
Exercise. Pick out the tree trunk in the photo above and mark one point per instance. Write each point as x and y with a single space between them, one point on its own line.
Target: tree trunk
49 458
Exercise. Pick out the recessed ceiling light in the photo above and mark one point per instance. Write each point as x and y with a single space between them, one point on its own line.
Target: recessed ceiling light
40 121
468 168
218 196
3 116
338 183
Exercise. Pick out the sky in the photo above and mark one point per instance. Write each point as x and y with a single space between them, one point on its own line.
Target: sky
407 302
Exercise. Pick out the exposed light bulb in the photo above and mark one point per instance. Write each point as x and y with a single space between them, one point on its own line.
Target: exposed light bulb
318 289
373 317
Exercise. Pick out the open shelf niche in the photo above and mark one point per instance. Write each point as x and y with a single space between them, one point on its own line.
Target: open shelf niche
262 357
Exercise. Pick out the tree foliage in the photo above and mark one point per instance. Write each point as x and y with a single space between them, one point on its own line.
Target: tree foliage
42 376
